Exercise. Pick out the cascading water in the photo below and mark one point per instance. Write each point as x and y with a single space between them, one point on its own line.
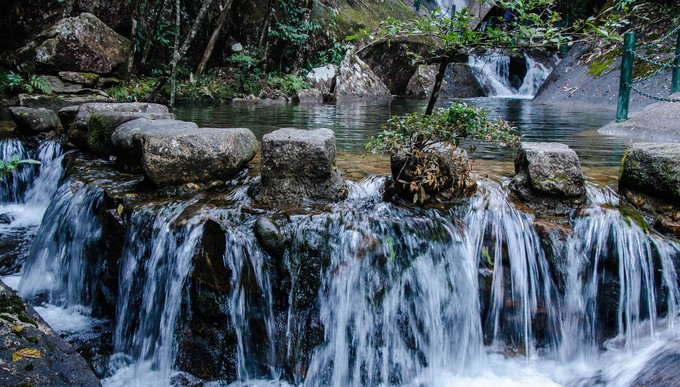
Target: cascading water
493 74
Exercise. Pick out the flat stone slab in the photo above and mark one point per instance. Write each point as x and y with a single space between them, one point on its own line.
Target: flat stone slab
77 133
101 127
652 168
299 165
659 122
196 155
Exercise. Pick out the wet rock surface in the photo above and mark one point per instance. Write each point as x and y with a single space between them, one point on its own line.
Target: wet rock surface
33 121
323 79
32 353
549 178
81 44
78 132
650 181
102 125
195 155
308 96
298 166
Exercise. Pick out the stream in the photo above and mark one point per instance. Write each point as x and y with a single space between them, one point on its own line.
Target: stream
366 292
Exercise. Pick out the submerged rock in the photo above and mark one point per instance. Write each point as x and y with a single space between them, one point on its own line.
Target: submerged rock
650 181
454 176
549 178
323 79
32 353
357 81
308 96
82 43
102 125
195 155
33 121
77 133
298 166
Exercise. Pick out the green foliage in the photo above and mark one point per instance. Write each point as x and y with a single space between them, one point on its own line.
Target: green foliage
7 167
295 27
162 36
333 55
133 91
413 133
289 83
16 83
421 140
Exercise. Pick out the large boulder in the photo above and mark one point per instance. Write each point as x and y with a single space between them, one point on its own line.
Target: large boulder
33 121
357 81
454 182
459 82
549 178
32 353
650 181
77 133
323 79
299 166
195 155
82 43
102 125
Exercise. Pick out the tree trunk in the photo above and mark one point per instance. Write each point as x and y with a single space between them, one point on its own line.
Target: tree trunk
213 38
131 57
175 56
192 33
438 84
151 30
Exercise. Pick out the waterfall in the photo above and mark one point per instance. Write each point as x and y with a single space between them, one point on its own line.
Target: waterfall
14 185
493 74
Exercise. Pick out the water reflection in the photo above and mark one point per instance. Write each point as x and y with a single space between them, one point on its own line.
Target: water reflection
354 124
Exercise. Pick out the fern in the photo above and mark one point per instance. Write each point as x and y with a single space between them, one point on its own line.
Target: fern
40 83
14 80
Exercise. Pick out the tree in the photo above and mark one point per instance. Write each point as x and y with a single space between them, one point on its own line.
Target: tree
213 38
535 24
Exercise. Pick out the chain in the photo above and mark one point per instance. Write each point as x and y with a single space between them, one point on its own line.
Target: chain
659 41
662 99
648 77
664 65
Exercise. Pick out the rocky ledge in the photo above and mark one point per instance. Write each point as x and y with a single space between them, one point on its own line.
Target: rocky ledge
31 353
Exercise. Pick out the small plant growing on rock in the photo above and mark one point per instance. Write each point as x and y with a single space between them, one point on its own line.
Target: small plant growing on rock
427 164
7 167
17 83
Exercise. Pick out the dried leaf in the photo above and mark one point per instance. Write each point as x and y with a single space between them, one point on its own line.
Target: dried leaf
30 353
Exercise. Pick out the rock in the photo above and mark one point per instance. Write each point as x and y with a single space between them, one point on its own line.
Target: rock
454 169
102 125
195 155
87 79
357 81
237 47
269 236
6 218
650 179
422 82
34 121
77 133
82 44
662 368
32 353
392 61
59 86
549 178
323 79
299 166
653 169
554 239
249 100
308 96
460 82
58 102
126 139
279 100
209 267
67 116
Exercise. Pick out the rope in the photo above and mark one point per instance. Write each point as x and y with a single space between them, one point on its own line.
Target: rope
659 41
